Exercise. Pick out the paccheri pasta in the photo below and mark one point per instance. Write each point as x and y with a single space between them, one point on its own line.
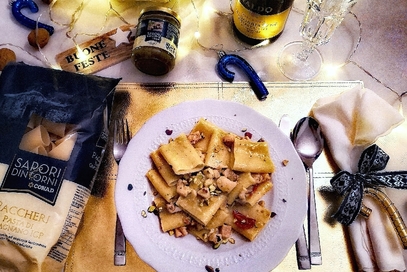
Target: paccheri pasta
48 138
223 178
54 131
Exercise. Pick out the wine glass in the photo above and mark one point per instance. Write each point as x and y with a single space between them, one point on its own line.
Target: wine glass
301 60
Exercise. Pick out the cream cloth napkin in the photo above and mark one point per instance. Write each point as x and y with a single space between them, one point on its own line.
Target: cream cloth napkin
351 122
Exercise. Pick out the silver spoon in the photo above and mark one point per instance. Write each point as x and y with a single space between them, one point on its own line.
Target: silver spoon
301 246
309 142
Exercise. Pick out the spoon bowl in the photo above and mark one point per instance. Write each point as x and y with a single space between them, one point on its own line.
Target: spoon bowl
308 140
309 143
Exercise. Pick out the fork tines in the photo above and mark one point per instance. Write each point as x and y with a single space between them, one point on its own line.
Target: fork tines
121 131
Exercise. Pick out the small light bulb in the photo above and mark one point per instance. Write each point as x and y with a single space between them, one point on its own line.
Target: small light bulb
197 35
401 110
331 70
80 53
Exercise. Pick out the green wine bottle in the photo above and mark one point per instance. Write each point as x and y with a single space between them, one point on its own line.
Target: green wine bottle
257 20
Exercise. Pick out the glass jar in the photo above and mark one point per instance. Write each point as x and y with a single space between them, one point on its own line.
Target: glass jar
156 41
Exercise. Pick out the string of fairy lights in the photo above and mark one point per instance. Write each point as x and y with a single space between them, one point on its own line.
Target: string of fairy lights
111 11
77 14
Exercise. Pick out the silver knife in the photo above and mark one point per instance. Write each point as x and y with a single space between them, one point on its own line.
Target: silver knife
303 258
120 245
285 125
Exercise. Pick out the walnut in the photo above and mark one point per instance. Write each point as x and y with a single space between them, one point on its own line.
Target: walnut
6 56
229 140
38 37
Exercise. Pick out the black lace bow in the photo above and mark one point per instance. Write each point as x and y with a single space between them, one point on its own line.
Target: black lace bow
351 186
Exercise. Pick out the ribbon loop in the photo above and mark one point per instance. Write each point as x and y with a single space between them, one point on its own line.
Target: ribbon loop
351 205
372 159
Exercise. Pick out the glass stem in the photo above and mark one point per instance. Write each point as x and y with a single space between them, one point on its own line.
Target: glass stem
307 48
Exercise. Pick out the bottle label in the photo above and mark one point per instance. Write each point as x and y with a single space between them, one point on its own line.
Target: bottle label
157 33
257 26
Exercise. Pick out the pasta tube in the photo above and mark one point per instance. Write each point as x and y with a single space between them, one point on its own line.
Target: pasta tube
182 156
258 192
164 168
260 214
249 156
170 221
218 154
206 129
37 137
64 147
201 213
167 192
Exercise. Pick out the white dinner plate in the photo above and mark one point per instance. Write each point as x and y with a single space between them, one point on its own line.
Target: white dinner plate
166 253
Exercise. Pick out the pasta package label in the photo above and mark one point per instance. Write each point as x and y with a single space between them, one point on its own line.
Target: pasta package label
39 176
40 162
54 131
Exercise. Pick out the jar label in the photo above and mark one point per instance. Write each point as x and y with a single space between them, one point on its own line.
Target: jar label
157 33
256 26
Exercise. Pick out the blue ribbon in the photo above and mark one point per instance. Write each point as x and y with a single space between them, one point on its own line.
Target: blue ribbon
351 186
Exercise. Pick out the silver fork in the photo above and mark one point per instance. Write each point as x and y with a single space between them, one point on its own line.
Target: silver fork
121 138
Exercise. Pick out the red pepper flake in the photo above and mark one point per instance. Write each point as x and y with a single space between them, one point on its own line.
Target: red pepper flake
248 135
168 131
242 221
254 189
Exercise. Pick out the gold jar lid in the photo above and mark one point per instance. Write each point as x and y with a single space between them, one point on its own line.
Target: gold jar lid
161 9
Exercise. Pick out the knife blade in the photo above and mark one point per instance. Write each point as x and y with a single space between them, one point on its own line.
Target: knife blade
285 125
301 247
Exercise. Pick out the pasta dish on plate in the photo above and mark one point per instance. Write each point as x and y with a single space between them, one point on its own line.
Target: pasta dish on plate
210 182
286 200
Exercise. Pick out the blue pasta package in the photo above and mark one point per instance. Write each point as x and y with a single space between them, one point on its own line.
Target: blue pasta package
54 132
